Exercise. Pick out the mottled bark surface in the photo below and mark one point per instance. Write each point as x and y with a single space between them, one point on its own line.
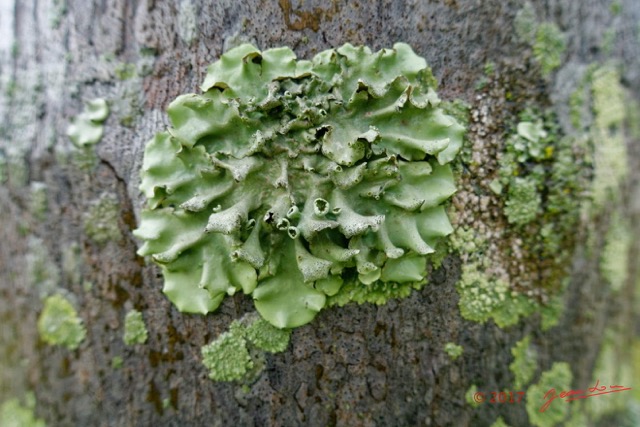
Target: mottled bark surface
356 365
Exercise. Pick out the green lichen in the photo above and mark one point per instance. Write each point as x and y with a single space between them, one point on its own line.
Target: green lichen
549 46
614 260
559 377
59 323
523 202
479 295
117 362
125 71
86 128
610 154
297 181
483 297
267 337
38 200
72 263
101 220
58 11
608 40
238 354
615 7
499 422
524 363
14 413
42 271
227 358
468 396
187 21
525 23
615 365
135 331
453 350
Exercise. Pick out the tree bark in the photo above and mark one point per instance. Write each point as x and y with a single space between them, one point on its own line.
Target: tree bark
354 365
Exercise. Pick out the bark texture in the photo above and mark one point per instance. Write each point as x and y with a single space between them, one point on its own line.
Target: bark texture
356 365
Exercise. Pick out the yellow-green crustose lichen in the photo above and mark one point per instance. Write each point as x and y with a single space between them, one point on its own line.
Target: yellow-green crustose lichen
610 152
524 363
453 350
101 220
235 354
135 331
14 413
59 323
543 178
547 40
559 377
614 261
499 422
300 181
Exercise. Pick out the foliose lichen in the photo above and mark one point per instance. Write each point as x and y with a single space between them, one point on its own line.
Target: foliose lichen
59 323
135 331
559 377
453 350
293 180
86 128
524 363
14 413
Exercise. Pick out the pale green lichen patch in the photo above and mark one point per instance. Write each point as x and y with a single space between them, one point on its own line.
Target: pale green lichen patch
187 21
499 422
516 254
267 337
135 331
59 323
227 358
547 40
525 23
524 363
523 202
559 377
610 152
453 350
38 203
615 365
469 396
238 354
42 271
101 220
14 413
117 362
614 260
300 181
549 46
485 296
86 128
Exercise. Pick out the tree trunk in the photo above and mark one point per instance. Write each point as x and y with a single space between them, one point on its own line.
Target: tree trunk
68 214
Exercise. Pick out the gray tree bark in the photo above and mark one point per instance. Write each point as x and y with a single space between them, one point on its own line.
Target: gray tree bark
355 365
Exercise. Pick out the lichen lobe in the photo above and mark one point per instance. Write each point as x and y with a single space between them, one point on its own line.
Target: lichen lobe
289 179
